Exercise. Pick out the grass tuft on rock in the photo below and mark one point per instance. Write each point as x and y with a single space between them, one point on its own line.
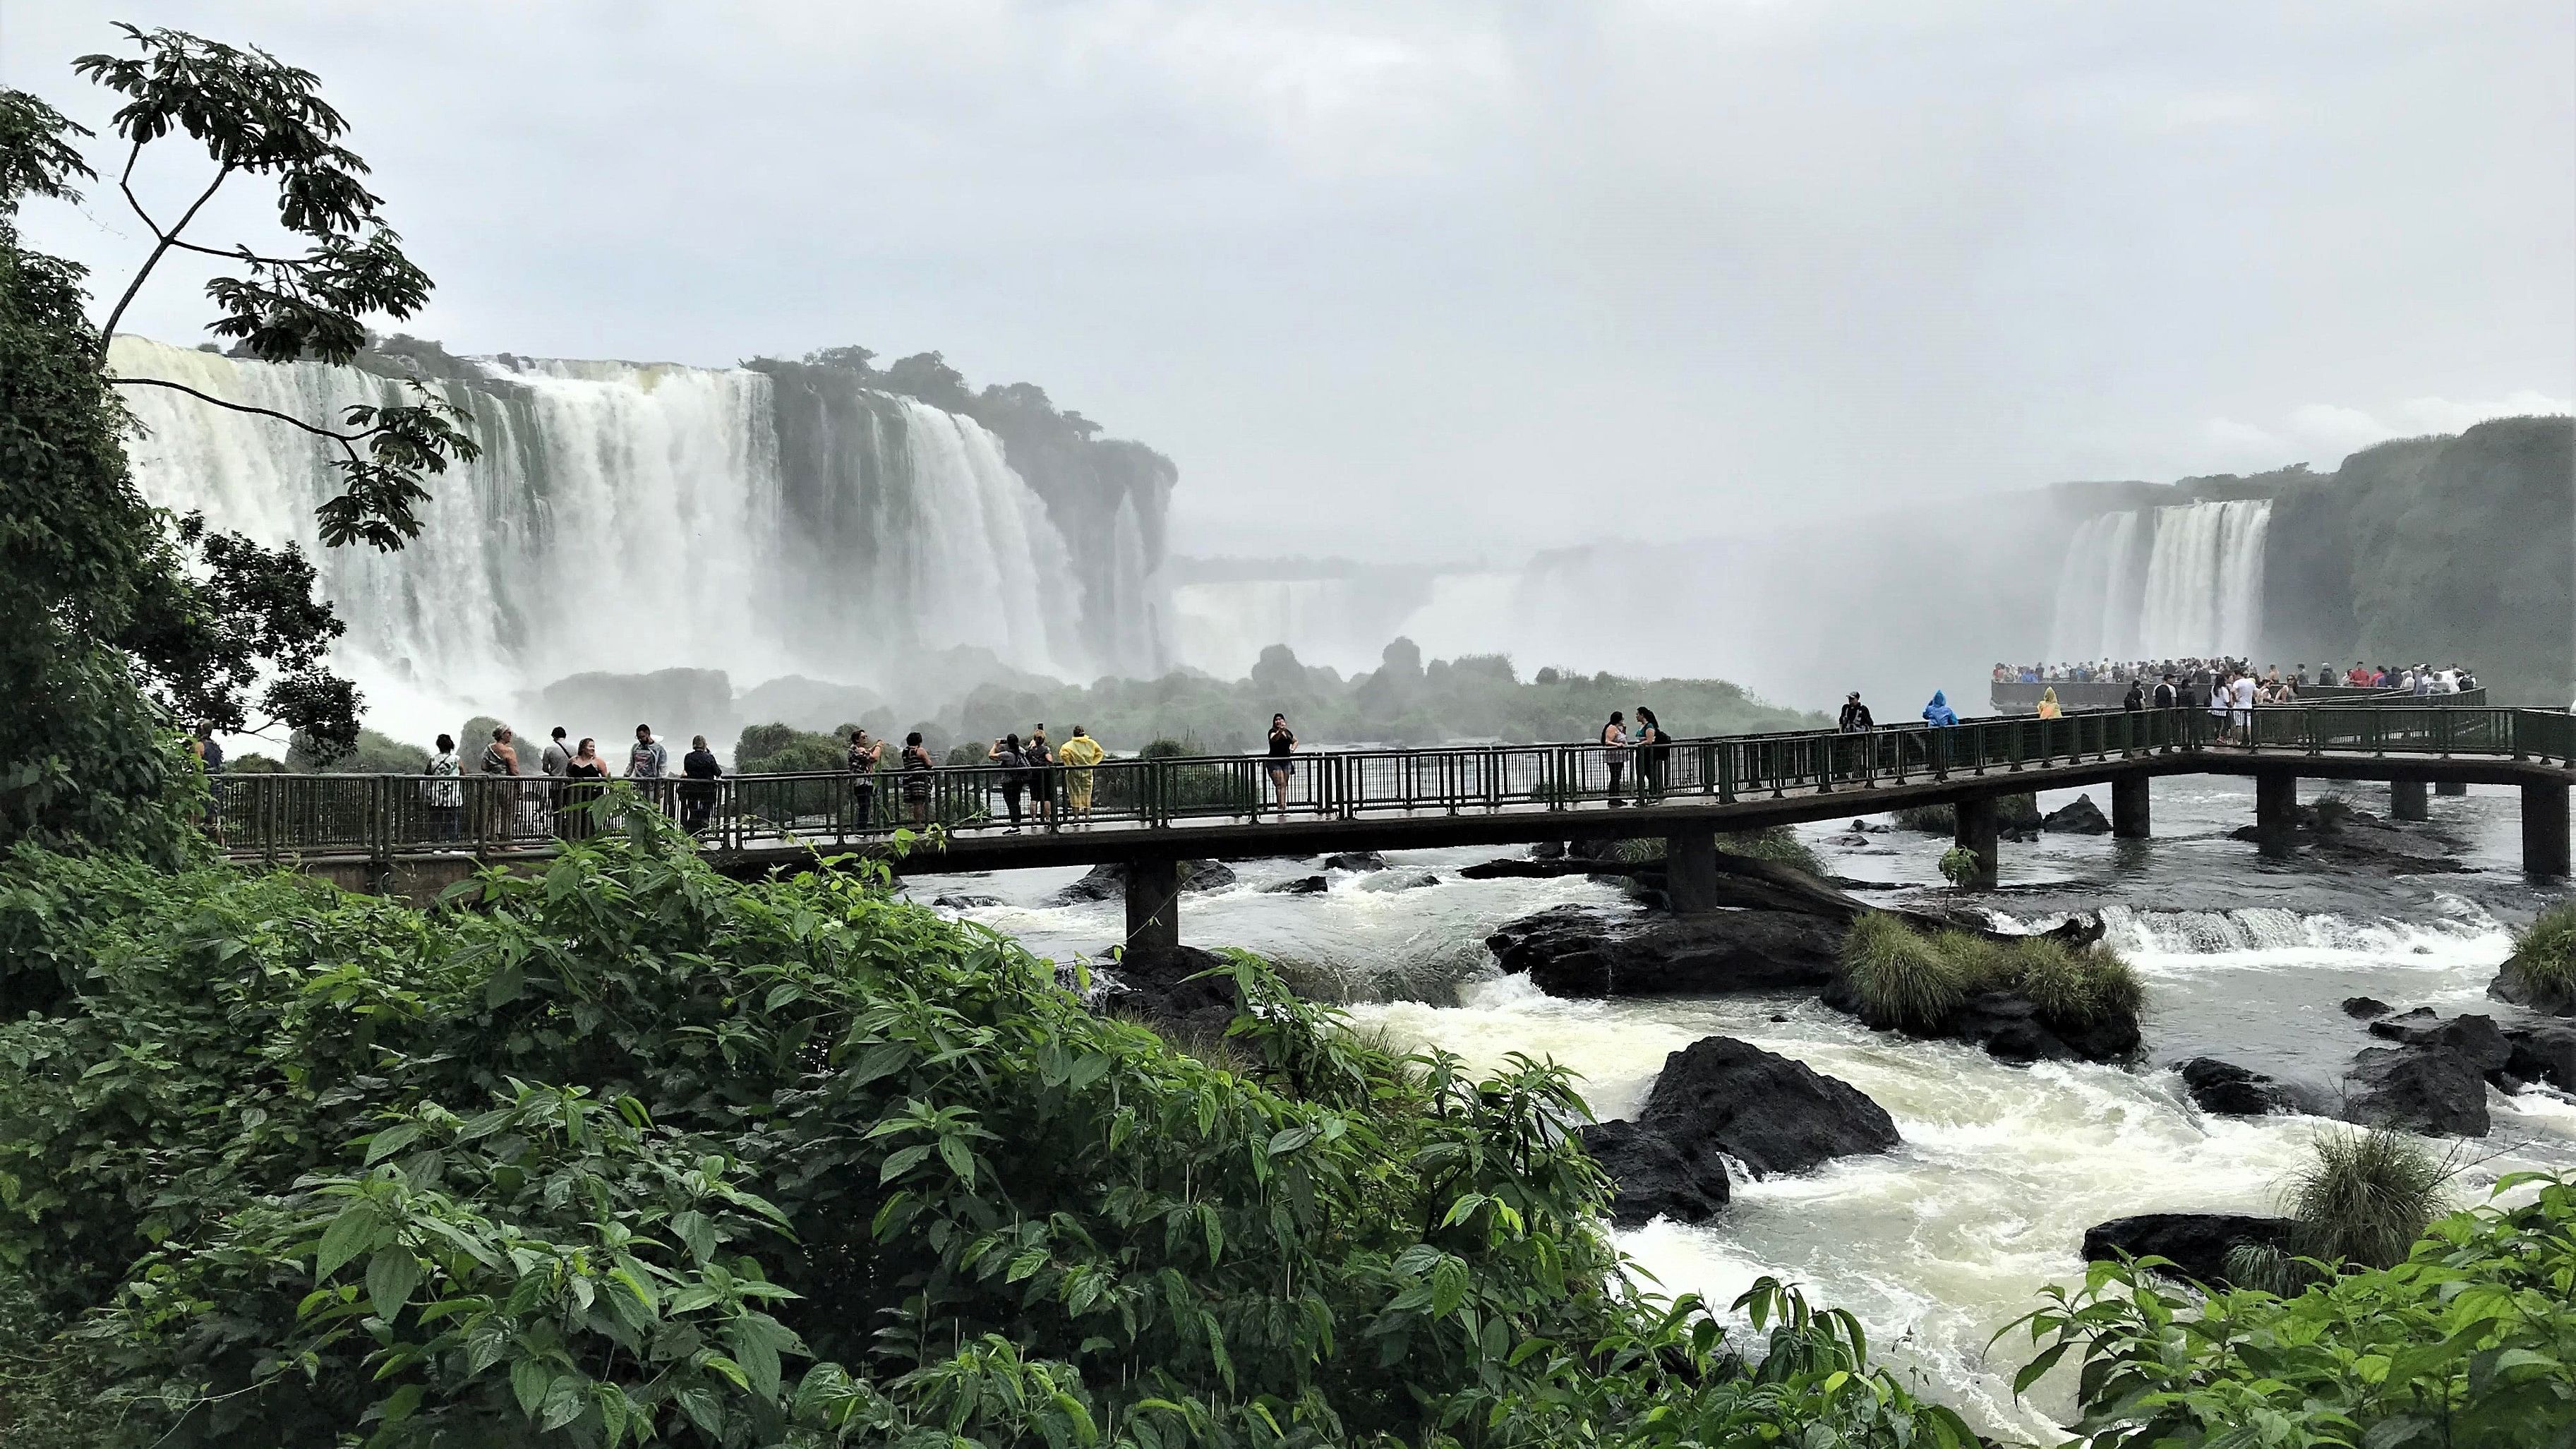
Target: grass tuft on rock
2365 1196
2544 955
1901 978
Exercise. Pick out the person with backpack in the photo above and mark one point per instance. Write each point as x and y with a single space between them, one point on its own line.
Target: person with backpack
2136 699
1006 752
1653 745
1855 717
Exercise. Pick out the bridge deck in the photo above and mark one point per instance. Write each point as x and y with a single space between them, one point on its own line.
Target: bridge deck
1160 810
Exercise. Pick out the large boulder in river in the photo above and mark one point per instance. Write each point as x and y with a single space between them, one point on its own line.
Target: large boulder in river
2474 1039
1767 1111
2196 1243
1656 1176
2544 1053
2228 1090
1161 988
1581 951
2081 818
1109 882
1355 861
2419 1088
2534 991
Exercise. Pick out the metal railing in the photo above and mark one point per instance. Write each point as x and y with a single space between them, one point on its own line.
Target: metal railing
271 817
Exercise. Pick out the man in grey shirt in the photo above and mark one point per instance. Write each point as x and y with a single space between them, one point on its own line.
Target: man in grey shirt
557 757
647 760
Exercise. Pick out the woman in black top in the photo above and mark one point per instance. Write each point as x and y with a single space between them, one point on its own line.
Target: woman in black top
1015 774
698 795
1282 769
1652 745
585 770
916 779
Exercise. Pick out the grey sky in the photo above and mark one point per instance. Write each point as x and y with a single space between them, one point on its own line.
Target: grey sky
1428 281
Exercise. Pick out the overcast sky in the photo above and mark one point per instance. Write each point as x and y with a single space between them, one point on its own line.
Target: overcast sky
1437 280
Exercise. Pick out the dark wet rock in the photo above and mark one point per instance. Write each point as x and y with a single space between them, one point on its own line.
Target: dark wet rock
2363 1008
2233 1091
1355 861
1109 882
2362 843
1159 988
2081 818
2196 1243
1548 850
1779 1016
1509 869
1391 880
1583 951
1769 1112
2544 1053
2420 1088
1654 1175
2474 1039
1304 885
2513 984
965 902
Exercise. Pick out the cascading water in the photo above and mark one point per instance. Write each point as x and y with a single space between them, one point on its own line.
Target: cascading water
633 518
2195 589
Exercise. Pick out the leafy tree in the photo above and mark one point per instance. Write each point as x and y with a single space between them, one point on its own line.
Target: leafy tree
118 621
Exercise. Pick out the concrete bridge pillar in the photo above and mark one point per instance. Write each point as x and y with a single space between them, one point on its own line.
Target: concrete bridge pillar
2544 830
2450 787
2276 810
1690 872
1978 832
2129 813
2406 798
1153 908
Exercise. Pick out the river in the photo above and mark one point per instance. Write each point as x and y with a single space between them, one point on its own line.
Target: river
1937 1245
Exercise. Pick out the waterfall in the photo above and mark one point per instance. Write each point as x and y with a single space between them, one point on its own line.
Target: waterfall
2204 586
632 518
2097 591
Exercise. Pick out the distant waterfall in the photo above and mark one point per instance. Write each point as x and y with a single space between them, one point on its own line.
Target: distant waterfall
2195 587
632 518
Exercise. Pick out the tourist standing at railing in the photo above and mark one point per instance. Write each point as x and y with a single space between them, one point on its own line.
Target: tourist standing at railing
1041 773
1855 718
2048 706
647 760
1281 766
2167 695
556 756
1079 755
2220 696
698 795
501 757
2136 698
1654 747
1939 712
862 761
2241 698
1006 753
585 778
916 779
446 791
1614 751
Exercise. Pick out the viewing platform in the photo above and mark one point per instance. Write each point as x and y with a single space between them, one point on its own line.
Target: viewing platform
387 832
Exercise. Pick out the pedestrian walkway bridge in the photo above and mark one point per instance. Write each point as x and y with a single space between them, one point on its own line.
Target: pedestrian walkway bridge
395 832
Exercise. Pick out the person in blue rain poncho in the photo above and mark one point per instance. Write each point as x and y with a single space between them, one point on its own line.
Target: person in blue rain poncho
1939 711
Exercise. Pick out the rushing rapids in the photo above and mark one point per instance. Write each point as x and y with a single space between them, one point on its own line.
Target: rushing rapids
638 517
2001 1169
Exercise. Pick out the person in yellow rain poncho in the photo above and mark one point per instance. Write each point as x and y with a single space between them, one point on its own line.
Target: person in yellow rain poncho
1078 755
2048 704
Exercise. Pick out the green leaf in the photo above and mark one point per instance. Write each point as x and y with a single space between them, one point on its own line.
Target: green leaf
392 1140
392 1274
2032 1371
528 1381
959 1157
507 985
402 1403
566 1399
351 1233
759 1359
695 1230
899 1163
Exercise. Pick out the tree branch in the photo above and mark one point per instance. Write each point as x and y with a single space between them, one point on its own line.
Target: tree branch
162 241
347 441
237 254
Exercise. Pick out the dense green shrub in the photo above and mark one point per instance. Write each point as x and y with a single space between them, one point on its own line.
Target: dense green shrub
2365 1196
1899 976
777 749
2468 1343
2544 954
1905 978
629 1150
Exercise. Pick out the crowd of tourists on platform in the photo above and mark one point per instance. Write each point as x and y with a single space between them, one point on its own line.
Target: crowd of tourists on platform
2405 679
